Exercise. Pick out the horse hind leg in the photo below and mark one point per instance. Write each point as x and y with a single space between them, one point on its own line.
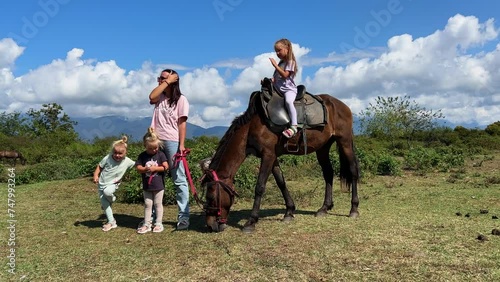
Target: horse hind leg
323 158
349 173
280 181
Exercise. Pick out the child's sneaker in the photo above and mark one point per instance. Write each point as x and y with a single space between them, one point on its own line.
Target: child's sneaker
108 226
183 224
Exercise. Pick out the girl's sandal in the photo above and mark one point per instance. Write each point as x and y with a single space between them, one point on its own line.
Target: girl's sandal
144 229
158 228
290 132
108 226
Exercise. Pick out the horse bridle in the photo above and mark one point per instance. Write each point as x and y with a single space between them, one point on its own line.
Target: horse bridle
218 184
181 157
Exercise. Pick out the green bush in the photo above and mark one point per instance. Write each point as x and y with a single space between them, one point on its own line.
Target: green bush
442 158
388 165
421 159
450 157
61 169
365 161
377 163
132 192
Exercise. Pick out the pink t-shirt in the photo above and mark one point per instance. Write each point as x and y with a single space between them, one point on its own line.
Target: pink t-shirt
165 118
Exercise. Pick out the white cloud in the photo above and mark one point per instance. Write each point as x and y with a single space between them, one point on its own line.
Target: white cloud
448 70
9 52
437 71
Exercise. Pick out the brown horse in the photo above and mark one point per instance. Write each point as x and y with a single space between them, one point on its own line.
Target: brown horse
249 134
13 155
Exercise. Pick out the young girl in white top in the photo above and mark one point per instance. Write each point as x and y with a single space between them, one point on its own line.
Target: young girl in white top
285 71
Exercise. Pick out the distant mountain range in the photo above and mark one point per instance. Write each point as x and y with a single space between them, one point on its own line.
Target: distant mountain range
90 128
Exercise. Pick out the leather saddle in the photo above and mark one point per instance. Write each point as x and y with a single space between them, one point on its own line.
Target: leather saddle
311 111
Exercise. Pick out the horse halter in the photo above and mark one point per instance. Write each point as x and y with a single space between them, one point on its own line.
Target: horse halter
218 184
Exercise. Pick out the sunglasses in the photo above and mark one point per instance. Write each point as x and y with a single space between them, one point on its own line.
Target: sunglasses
160 78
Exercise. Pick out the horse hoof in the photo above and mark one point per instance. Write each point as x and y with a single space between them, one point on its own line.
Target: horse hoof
215 227
320 213
288 218
212 229
354 215
248 229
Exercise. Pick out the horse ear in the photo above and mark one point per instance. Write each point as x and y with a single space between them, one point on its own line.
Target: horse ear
205 164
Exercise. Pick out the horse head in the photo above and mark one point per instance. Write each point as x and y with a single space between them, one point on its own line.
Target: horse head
219 196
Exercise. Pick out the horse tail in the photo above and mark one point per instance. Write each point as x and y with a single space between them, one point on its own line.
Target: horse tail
349 167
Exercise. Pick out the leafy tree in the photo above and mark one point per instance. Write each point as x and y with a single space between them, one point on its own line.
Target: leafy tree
462 131
12 124
50 119
393 118
51 132
493 129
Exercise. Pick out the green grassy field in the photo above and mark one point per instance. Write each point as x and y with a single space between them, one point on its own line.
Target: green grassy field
411 228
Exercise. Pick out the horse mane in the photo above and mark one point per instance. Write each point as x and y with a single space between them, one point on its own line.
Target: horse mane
237 123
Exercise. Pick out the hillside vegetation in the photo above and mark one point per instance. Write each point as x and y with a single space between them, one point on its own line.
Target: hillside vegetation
399 138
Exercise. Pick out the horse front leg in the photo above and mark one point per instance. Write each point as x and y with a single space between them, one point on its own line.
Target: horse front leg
266 165
323 158
280 181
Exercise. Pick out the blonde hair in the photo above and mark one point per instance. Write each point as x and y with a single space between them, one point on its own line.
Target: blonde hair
121 142
151 137
290 56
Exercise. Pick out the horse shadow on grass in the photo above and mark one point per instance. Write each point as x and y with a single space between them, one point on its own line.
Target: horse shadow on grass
237 216
197 220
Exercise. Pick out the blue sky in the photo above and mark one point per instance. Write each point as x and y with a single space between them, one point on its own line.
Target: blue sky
99 58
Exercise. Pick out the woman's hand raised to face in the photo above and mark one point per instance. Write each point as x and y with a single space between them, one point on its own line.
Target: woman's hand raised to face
172 78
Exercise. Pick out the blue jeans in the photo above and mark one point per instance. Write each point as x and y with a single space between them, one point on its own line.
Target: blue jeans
170 148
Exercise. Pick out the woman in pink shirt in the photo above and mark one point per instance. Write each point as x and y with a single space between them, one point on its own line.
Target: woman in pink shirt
170 121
